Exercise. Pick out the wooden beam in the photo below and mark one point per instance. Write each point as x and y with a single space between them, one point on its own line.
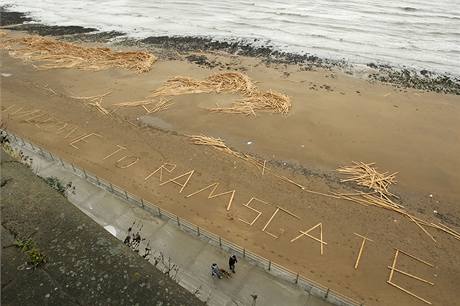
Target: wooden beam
416 258
115 152
173 180
270 220
393 266
306 233
408 292
361 249
421 227
259 213
410 275
136 159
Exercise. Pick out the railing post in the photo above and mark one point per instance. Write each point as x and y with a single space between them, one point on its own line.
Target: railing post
297 278
198 230
126 195
97 180
178 222
62 163
111 187
73 167
269 265
159 212
84 172
142 202
43 153
220 241
327 294
51 155
33 148
244 252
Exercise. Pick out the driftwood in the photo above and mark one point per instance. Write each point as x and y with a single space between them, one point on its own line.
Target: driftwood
366 175
363 174
95 101
212 195
394 269
120 148
278 208
174 180
146 104
81 138
259 213
361 248
252 99
306 233
52 53
215 143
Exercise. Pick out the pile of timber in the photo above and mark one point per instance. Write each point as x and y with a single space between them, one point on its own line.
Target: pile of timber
252 99
52 53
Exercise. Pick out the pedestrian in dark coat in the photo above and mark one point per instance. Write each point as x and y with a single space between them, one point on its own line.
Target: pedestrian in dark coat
231 263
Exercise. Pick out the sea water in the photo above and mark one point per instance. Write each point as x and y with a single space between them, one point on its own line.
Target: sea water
421 34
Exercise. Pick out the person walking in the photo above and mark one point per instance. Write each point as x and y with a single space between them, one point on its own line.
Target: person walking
215 271
231 263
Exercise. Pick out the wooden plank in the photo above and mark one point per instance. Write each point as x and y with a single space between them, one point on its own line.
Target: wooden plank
416 258
408 292
393 266
410 275
360 249
423 229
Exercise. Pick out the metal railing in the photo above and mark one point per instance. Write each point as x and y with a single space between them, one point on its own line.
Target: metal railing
273 268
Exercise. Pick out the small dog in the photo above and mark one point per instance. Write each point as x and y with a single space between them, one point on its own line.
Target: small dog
225 273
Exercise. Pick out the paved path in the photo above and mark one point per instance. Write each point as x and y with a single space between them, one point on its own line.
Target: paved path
193 255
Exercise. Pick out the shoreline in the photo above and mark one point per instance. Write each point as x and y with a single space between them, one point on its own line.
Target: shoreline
401 77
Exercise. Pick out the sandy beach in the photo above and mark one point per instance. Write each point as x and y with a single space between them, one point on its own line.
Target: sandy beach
335 119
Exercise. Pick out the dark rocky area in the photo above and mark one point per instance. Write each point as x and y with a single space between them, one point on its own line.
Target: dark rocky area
9 18
423 80
98 36
245 48
18 21
45 30
201 60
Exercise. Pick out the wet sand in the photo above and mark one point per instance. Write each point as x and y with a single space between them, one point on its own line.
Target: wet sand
335 119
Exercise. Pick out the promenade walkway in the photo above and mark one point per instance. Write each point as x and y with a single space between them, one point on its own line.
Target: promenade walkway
192 255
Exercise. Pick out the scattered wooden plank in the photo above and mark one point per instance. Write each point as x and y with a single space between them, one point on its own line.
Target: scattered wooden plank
408 292
361 249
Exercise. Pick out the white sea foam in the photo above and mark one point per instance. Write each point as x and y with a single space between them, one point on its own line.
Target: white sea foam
423 34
